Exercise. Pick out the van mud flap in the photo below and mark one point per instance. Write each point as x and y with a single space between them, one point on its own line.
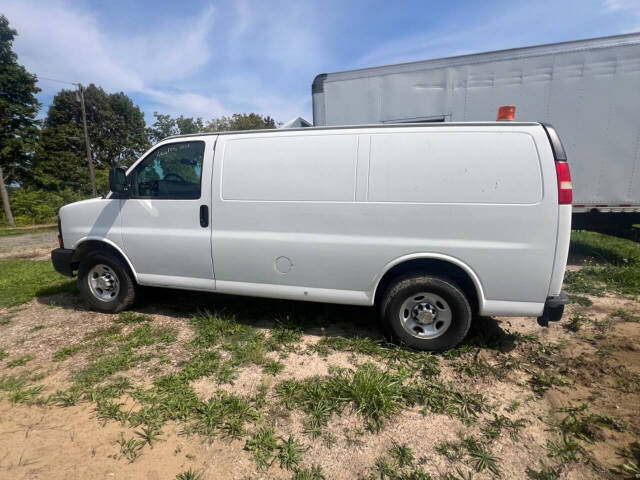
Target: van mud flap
553 309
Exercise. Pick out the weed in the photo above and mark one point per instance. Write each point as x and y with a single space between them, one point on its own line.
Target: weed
513 406
132 317
540 382
5 320
545 473
110 390
67 352
20 361
583 425
576 321
24 394
284 335
130 449
263 445
149 434
480 457
290 453
274 367
580 300
190 475
38 328
3 354
451 450
225 412
401 454
627 380
146 334
494 427
106 366
67 398
313 473
626 315
458 475
565 450
110 410
390 354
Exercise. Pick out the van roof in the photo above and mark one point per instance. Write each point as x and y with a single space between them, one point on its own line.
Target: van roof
377 125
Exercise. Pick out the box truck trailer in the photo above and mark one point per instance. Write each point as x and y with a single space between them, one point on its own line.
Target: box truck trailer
589 90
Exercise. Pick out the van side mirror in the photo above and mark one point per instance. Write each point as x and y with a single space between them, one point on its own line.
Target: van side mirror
118 180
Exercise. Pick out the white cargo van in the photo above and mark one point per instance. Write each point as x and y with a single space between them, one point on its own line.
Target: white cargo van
431 223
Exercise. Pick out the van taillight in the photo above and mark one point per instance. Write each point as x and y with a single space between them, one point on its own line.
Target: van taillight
565 190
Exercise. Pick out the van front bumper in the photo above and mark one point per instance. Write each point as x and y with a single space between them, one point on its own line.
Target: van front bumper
62 261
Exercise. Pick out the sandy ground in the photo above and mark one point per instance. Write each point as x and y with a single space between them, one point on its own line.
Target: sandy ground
52 442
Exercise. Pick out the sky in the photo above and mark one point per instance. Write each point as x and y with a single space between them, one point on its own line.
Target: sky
207 58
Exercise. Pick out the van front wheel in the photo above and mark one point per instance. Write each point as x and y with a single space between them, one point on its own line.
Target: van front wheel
105 283
426 313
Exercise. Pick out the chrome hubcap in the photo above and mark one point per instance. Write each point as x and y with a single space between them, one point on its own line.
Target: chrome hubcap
425 315
103 283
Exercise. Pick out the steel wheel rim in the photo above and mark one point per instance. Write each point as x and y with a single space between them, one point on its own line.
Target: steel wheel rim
103 283
425 315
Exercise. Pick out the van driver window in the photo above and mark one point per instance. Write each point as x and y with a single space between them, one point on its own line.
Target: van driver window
170 171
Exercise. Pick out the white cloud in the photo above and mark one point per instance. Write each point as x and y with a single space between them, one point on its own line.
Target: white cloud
196 66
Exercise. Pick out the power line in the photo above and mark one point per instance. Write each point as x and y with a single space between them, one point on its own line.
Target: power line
56 80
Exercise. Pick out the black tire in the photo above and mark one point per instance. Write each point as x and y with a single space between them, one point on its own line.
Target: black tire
457 304
127 288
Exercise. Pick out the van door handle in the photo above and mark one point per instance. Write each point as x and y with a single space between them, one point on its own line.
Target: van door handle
204 216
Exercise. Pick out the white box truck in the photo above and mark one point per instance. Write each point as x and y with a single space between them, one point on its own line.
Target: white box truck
589 90
431 223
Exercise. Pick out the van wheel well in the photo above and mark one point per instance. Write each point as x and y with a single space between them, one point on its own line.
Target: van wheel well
91 246
434 267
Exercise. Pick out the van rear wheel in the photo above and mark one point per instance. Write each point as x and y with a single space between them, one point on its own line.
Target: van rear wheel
105 283
426 312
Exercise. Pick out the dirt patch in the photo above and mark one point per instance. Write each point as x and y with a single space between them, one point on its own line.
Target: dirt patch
598 366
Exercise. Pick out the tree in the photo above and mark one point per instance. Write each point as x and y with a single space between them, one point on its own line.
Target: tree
116 131
240 121
18 110
165 126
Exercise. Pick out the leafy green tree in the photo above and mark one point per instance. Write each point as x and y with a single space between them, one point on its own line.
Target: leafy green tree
240 121
18 110
116 131
166 125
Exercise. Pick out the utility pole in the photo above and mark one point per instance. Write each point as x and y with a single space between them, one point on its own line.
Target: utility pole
86 141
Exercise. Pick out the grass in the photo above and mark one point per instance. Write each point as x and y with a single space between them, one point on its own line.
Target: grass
626 316
130 317
612 262
20 361
7 232
541 382
190 475
544 473
21 280
67 352
576 321
473 450
262 444
3 354
375 394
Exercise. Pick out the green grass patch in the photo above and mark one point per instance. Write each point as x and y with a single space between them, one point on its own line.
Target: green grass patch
626 316
67 352
21 280
3 354
612 263
20 361
129 317
9 232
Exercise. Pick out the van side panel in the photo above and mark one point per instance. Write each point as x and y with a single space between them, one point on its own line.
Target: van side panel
446 167
338 248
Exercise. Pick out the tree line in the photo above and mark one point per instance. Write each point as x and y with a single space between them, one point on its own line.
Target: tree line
43 163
